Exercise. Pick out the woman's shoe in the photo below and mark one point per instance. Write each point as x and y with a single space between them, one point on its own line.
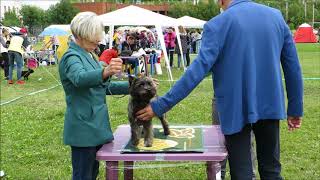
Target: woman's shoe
20 82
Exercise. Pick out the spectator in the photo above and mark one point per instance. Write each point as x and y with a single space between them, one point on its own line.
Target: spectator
184 45
108 54
188 48
194 37
107 38
4 39
198 37
169 39
143 40
102 44
55 45
129 46
24 33
18 44
151 40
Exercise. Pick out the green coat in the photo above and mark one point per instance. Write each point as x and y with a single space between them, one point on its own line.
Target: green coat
86 119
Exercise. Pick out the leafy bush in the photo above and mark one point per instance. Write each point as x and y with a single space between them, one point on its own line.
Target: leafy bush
11 19
202 11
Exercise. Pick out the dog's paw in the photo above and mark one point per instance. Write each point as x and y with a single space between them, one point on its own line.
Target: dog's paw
148 143
135 142
166 132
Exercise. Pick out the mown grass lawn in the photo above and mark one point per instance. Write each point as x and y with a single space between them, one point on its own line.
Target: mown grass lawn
31 127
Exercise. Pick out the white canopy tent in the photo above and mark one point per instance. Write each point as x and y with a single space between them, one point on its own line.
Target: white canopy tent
190 22
135 16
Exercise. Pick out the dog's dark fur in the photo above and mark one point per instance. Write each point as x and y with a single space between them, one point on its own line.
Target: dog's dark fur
26 74
141 91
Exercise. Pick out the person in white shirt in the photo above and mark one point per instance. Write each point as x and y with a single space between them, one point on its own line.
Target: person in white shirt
16 49
102 44
4 38
55 45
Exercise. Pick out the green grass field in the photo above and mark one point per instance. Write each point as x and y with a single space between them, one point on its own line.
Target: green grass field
32 126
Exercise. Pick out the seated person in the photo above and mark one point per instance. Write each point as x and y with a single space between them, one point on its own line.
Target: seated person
129 46
108 54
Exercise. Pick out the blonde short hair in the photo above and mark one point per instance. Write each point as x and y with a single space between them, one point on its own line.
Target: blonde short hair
87 25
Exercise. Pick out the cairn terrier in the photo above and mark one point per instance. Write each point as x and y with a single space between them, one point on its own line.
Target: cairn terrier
141 91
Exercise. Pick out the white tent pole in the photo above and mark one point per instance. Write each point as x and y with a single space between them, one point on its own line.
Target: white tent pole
180 47
313 13
305 10
287 7
111 30
163 46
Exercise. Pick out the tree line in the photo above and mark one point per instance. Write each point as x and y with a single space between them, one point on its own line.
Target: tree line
36 19
295 12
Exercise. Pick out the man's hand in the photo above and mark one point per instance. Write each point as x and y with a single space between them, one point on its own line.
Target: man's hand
114 67
294 123
145 114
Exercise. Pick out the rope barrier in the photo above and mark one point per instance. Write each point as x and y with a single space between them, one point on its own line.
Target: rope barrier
30 94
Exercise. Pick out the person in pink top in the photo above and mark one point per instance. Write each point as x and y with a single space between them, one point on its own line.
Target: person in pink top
169 39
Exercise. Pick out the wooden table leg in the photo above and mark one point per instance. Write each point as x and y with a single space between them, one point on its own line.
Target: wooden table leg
112 170
128 170
212 170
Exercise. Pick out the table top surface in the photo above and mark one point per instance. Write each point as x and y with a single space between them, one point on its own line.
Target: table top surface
213 145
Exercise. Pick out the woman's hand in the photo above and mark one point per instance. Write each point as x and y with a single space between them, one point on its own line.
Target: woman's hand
114 67
155 82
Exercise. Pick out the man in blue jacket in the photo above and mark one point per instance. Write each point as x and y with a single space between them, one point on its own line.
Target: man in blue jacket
243 48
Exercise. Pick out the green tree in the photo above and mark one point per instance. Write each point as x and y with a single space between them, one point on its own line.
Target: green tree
296 10
33 16
204 11
11 19
61 13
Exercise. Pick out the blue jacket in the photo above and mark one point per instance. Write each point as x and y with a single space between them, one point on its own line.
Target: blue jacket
243 48
86 119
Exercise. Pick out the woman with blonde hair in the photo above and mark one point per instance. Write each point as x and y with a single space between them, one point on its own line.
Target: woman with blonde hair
85 82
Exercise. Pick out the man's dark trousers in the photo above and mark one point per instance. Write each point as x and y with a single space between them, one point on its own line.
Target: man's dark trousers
268 151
